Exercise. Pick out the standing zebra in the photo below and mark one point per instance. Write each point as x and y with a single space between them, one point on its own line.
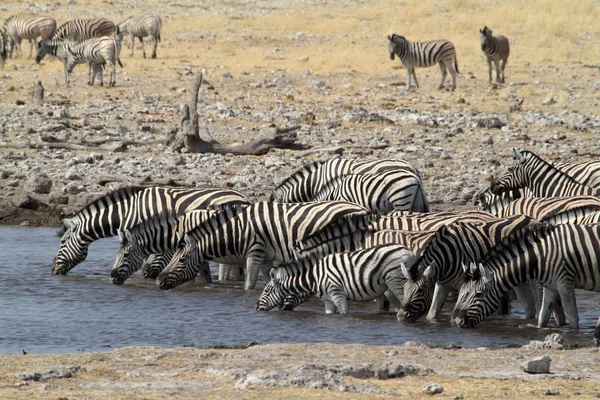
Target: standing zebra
496 49
96 52
19 27
439 268
3 47
140 27
81 29
303 184
541 177
424 54
561 258
361 275
126 207
381 193
262 233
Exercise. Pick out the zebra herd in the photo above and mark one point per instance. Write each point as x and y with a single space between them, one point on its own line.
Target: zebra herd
535 235
96 42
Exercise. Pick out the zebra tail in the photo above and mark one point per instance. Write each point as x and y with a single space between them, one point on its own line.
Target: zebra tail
456 63
158 37
420 203
119 61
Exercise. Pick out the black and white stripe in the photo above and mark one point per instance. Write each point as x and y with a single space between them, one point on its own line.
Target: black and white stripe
561 258
424 54
495 204
306 182
361 275
127 207
3 47
19 27
147 25
81 29
381 193
496 49
95 52
439 268
541 177
257 236
554 210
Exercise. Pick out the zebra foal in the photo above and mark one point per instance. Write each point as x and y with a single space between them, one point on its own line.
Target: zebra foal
361 275
424 54
147 25
96 52
19 27
496 49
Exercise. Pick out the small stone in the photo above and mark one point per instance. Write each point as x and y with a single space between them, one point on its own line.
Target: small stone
123 130
551 391
40 183
432 388
62 113
549 101
28 203
458 397
488 140
227 75
539 365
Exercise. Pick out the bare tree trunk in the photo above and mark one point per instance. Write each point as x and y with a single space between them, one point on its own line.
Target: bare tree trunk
189 138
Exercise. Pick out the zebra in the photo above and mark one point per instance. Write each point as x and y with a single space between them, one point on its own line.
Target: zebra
495 204
561 258
126 207
496 49
424 54
438 270
95 51
554 210
381 193
3 47
361 275
140 27
81 29
304 183
257 236
19 27
541 177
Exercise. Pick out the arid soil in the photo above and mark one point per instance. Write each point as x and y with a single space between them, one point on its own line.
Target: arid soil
323 66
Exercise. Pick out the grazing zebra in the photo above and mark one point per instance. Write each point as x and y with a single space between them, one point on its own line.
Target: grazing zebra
541 177
304 183
439 268
361 275
19 27
496 49
262 233
126 207
424 54
81 29
159 235
140 27
381 193
554 210
561 258
95 52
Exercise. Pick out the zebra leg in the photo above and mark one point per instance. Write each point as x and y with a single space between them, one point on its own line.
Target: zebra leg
503 66
143 49
113 74
329 305
597 334
497 65
383 303
224 271
204 272
154 44
567 296
550 296
444 74
559 313
32 43
253 266
339 298
489 60
439 296
415 77
527 299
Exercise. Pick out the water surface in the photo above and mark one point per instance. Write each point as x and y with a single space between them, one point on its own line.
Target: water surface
83 311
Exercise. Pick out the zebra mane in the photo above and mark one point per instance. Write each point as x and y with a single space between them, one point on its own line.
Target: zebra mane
100 203
395 37
303 171
533 232
526 153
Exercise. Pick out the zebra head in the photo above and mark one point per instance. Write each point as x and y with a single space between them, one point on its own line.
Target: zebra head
393 42
418 290
184 264
72 251
156 263
45 47
129 258
478 297
276 294
514 178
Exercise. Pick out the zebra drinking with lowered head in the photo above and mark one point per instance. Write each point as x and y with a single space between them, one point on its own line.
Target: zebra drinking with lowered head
361 275
147 25
19 27
496 49
95 52
424 54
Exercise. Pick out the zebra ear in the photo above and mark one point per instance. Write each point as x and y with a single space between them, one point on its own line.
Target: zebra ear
518 156
465 268
473 270
128 236
405 271
429 271
272 274
389 37
486 274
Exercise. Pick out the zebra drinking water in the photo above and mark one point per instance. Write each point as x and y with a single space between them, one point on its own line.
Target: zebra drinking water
19 27
95 52
147 25
361 275
424 54
496 49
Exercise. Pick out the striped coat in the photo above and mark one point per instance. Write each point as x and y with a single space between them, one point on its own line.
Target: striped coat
147 25
496 49
81 29
424 54
19 27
